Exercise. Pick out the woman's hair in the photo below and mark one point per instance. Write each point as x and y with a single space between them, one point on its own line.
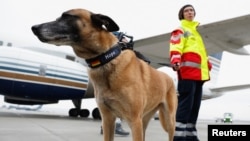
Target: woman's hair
181 11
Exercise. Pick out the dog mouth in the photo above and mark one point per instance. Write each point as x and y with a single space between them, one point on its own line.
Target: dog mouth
45 35
49 38
58 38
52 39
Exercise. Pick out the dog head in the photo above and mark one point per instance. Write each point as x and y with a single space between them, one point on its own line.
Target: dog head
88 33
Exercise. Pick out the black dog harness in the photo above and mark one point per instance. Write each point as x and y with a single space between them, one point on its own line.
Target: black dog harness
115 51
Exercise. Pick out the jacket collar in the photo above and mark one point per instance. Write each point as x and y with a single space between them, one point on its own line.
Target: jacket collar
189 24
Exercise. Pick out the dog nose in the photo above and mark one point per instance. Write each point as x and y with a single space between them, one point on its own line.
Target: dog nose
35 29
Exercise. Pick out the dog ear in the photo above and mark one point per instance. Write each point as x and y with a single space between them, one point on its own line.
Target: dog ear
101 20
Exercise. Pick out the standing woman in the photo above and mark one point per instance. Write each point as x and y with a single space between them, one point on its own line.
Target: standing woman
189 59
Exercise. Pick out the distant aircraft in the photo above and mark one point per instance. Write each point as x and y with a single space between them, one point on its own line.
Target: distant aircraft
38 76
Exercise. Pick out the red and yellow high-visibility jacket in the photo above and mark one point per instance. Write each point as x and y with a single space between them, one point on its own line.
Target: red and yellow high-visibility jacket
187 49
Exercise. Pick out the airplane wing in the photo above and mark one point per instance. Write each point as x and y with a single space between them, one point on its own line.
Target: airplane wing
230 88
228 35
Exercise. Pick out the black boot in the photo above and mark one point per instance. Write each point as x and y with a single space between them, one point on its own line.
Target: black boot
119 130
101 130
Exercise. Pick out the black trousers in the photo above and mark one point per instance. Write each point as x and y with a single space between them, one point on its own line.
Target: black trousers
189 101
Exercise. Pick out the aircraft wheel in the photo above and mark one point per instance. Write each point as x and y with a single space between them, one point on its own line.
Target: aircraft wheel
96 114
73 112
84 113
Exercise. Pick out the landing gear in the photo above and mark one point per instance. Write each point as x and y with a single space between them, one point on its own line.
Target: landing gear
96 114
84 113
75 112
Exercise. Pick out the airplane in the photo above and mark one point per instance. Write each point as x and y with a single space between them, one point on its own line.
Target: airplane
29 77
33 78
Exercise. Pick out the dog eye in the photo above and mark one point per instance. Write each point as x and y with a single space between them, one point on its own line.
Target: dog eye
68 16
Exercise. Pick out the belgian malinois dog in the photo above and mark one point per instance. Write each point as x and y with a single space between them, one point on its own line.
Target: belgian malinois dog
124 86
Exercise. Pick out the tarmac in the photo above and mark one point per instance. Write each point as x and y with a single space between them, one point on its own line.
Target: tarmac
29 126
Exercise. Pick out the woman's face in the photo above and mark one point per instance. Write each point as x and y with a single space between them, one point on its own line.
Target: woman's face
189 13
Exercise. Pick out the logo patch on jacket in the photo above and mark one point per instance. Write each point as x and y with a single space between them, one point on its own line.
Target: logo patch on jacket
176 37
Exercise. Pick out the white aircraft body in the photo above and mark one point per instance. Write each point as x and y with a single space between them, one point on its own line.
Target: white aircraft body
30 78
233 85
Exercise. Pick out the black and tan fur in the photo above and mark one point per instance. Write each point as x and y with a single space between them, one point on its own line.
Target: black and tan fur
125 87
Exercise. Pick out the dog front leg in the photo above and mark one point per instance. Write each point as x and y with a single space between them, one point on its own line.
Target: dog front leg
108 125
137 129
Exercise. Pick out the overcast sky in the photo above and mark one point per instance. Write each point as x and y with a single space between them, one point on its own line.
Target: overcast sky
140 18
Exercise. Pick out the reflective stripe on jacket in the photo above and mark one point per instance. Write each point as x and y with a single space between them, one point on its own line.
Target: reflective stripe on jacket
187 49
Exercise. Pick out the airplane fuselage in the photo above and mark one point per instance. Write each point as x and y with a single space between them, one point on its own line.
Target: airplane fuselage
28 77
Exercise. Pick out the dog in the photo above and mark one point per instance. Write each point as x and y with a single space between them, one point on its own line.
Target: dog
124 86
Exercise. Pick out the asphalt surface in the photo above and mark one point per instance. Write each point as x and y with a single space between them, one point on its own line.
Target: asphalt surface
36 126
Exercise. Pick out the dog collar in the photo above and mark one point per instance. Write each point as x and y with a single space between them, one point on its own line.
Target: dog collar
104 58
